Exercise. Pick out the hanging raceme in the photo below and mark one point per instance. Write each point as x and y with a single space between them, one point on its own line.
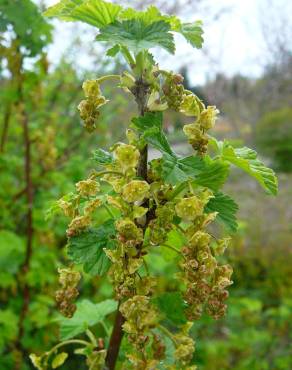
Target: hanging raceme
169 202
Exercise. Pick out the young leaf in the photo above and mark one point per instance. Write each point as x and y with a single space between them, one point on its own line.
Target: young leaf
172 306
214 174
87 248
97 13
246 159
102 157
112 52
150 127
226 208
59 360
176 170
137 36
204 171
86 315
193 33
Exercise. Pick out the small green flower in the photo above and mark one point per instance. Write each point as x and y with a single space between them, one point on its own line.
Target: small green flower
127 156
129 232
135 191
208 117
189 208
87 187
190 105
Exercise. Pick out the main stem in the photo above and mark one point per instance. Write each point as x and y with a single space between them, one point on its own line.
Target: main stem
140 93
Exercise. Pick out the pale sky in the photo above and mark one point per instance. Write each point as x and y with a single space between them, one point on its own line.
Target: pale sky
234 43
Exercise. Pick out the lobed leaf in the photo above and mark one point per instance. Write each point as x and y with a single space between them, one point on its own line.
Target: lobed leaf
246 159
226 208
150 127
97 13
86 315
102 157
137 36
87 248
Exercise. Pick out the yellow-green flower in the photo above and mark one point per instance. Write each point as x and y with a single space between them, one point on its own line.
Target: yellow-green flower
87 187
189 208
135 191
208 117
127 156
91 88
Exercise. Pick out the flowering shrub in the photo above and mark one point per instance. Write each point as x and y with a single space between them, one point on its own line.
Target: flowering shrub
165 203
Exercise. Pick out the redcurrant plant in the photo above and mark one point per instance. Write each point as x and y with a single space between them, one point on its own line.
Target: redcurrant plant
166 203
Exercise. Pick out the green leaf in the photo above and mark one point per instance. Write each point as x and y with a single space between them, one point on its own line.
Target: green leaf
226 208
102 157
97 13
176 170
175 239
204 171
246 159
150 15
59 360
87 248
172 306
214 174
86 315
193 33
150 127
112 52
137 36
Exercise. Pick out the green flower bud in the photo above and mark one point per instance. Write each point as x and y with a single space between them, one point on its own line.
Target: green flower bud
135 191
189 208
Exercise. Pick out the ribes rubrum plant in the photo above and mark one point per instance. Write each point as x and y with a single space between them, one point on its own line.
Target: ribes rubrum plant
166 203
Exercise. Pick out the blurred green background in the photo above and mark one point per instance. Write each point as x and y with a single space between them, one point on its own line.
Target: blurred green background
41 72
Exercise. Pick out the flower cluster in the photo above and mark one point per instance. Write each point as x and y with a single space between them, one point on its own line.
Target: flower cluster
89 107
80 207
185 346
140 317
205 279
205 120
65 297
173 90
